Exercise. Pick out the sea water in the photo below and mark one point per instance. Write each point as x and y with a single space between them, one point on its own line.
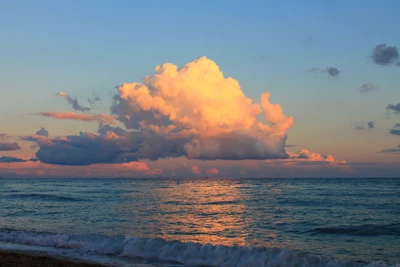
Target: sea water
205 222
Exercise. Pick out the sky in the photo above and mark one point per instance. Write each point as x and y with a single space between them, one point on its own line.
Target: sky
199 89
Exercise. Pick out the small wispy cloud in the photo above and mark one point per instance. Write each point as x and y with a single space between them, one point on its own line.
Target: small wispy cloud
4 146
73 102
334 72
391 150
364 125
100 118
308 41
331 71
385 55
368 87
42 132
394 108
395 130
4 136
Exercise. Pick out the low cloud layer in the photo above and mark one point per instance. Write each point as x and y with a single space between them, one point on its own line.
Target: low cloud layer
15 167
4 146
314 157
5 159
100 118
331 71
73 102
392 150
385 55
364 125
368 87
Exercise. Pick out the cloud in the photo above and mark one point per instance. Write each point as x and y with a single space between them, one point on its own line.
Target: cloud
213 171
368 87
195 170
9 146
362 125
395 130
392 150
10 159
94 99
4 136
334 72
331 71
74 102
100 118
394 108
204 112
191 113
371 124
42 132
14 167
385 55
308 41
81 150
314 157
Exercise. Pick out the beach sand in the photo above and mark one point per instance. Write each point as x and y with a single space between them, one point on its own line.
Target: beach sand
16 259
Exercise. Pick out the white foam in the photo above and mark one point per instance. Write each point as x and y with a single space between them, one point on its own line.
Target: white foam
175 251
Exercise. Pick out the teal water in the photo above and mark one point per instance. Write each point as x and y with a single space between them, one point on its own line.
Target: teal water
211 222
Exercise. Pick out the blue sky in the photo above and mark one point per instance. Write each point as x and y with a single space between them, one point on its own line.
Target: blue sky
80 46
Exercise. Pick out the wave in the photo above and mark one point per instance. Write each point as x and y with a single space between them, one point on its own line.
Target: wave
361 230
157 249
48 197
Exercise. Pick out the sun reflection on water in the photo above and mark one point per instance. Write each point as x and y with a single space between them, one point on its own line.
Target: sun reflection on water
204 212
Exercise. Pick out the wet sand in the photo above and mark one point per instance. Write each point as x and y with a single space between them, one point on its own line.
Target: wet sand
16 259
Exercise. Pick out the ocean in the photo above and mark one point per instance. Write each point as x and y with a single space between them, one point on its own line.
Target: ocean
205 222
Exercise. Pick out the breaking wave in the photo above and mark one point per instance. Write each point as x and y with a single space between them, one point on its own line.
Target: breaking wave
157 249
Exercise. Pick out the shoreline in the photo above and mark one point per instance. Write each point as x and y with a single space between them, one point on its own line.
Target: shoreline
24 259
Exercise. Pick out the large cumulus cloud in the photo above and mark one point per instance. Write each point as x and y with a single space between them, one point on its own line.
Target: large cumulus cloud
193 111
208 112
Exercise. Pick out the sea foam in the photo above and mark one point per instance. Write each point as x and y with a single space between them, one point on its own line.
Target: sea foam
157 249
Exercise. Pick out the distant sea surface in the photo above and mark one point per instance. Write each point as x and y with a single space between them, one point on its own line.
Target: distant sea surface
205 222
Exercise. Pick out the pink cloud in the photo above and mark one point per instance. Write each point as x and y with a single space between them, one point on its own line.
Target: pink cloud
305 155
100 118
196 170
6 146
36 168
213 171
